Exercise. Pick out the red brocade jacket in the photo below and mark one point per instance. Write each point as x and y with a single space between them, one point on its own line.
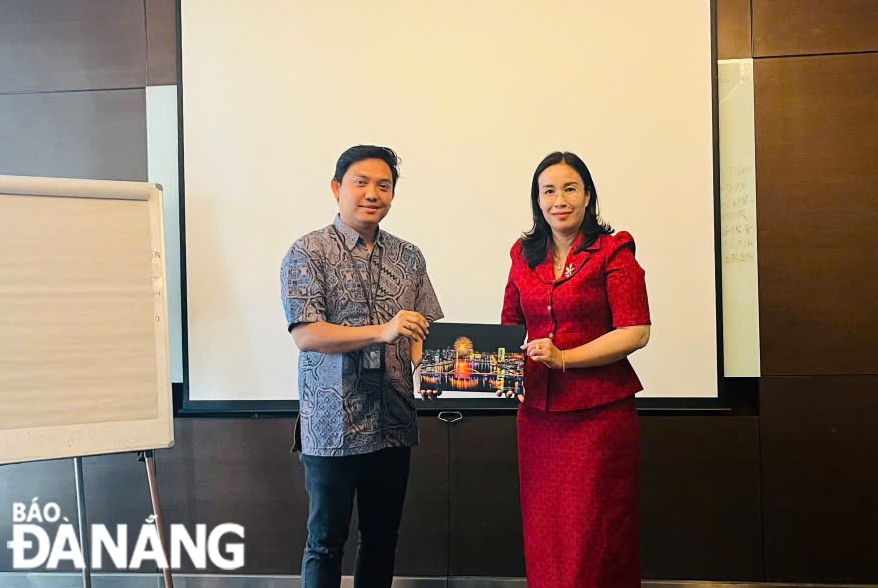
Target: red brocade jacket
600 289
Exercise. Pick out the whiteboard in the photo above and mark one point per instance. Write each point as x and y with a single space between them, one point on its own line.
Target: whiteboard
162 168
84 360
472 95
740 263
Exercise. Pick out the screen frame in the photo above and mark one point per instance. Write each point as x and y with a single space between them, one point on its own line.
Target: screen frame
735 396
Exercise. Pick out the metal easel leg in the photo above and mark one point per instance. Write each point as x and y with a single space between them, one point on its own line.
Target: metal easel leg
83 523
149 458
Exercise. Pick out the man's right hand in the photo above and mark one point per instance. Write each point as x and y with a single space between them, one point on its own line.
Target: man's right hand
406 323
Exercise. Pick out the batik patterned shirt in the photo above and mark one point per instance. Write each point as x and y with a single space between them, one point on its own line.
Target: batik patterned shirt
345 409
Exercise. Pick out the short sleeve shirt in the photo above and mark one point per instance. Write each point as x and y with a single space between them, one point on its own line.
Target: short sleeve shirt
345 409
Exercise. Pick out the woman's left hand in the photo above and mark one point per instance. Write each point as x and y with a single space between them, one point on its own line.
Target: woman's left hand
543 351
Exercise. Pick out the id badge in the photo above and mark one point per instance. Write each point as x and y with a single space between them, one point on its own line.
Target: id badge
373 357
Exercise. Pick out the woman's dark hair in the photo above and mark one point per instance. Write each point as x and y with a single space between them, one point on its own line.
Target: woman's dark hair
361 152
538 241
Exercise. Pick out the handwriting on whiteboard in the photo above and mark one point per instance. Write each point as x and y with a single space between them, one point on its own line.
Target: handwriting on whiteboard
738 224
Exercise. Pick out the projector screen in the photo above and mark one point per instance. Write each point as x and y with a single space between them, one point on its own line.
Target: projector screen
472 95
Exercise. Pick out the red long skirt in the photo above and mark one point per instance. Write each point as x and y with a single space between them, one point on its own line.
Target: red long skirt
580 485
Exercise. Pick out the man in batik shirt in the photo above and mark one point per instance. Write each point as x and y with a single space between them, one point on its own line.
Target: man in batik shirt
358 303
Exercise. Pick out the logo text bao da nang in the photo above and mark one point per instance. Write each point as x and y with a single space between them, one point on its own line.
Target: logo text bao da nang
32 547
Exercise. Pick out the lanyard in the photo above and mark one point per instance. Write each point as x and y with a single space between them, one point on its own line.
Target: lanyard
366 291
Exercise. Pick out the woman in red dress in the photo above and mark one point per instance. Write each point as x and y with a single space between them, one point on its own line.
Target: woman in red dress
582 295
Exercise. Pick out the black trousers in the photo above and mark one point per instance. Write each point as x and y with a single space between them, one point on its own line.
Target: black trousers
379 481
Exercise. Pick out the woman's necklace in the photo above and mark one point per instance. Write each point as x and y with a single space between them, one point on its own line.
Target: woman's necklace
559 261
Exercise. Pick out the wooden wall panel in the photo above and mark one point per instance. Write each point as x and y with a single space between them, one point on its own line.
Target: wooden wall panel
161 42
46 481
803 27
733 29
817 206
700 495
117 493
486 532
700 498
96 135
423 534
52 45
820 471
238 471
